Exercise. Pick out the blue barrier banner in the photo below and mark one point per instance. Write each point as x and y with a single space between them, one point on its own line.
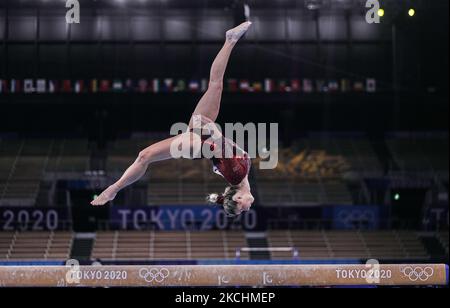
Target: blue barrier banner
356 217
258 218
437 217
31 218
201 218
179 218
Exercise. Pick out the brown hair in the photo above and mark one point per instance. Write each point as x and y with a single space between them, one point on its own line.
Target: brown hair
226 200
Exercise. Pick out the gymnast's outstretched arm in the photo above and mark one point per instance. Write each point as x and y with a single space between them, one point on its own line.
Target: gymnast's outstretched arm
157 152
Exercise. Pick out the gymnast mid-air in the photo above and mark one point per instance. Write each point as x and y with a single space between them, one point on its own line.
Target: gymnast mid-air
235 167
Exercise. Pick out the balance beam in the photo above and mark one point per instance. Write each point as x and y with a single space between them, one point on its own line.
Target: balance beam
224 275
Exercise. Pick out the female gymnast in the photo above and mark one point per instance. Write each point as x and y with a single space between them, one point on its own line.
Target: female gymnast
237 197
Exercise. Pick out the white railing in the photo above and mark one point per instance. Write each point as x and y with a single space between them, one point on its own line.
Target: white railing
267 249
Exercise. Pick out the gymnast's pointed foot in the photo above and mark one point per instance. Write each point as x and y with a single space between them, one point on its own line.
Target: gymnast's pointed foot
235 34
108 195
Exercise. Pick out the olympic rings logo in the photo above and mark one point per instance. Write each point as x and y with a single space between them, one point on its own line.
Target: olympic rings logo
154 274
418 273
348 217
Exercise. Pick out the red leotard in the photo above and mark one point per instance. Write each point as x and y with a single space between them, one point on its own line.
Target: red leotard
234 169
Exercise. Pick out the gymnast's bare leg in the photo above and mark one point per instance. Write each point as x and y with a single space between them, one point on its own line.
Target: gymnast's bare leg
208 106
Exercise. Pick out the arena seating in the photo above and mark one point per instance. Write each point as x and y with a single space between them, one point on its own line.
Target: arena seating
420 154
24 164
361 155
182 182
149 245
35 246
444 239
388 245
123 152
314 170
216 245
313 174
357 152
70 156
311 245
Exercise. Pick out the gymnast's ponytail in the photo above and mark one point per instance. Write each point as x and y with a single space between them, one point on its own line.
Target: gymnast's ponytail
226 200
215 199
